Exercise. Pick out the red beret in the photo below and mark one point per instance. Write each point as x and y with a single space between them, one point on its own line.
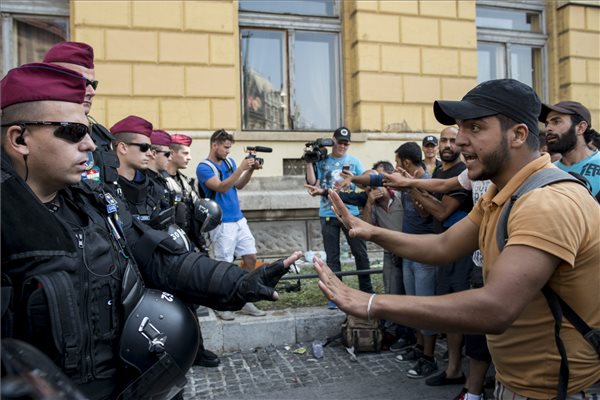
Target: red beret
160 138
39 81
71 52
181 139
132 124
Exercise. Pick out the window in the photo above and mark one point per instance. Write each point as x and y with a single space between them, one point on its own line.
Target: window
511 42
290 58
29 30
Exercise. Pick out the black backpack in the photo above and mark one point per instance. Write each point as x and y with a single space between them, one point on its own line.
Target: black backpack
558 306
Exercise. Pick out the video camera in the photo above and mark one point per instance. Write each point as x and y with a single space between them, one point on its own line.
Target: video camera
252 150
316 151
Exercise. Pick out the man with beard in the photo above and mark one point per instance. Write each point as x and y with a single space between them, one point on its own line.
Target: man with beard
447 209
568 130
430 150
552 240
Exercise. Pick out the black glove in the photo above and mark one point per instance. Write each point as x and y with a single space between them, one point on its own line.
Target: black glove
260 283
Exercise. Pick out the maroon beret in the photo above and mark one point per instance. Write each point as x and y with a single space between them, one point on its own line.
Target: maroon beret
181 139
132 124
39 81
160 138
71 52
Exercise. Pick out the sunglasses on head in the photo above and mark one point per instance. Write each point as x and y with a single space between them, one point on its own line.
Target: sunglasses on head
144 147
73 132
92 83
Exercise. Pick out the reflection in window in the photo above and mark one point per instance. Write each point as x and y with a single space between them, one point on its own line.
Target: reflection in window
264 84
490 61
290 68
325 8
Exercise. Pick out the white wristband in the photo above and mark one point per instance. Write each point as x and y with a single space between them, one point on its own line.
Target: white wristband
369 306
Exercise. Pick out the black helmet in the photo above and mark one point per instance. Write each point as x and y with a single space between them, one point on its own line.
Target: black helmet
208 214
160 340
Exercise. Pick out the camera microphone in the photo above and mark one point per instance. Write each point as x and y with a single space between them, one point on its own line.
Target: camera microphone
260 149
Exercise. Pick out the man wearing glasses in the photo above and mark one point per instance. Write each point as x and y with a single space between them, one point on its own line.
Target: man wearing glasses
103 162
329 173
76 259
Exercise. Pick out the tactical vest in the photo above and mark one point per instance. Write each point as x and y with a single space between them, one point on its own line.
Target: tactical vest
79 257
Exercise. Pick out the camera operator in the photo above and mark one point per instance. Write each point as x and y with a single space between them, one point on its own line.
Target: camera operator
327 173
220 179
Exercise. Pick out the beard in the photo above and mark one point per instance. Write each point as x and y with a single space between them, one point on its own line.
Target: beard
495 162
449 157
565 142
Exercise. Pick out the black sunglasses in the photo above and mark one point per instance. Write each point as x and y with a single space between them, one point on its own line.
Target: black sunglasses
93 83
73 132
144 147
166 153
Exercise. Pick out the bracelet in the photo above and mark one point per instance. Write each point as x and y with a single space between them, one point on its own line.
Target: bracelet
369 306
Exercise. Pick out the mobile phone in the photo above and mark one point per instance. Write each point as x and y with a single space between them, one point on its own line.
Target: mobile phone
346 167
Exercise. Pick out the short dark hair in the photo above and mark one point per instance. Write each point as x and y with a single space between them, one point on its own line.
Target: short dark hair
220 136
410 151
124 137
533 140
387 166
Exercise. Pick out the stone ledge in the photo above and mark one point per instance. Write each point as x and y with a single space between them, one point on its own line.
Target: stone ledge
277 328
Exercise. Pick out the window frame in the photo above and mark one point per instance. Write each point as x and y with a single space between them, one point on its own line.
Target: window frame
509 38
290 23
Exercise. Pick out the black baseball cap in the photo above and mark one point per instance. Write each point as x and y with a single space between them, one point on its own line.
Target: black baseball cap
430 139
342 133
567 107
508 97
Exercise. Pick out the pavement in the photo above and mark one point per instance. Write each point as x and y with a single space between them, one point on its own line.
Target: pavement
270 358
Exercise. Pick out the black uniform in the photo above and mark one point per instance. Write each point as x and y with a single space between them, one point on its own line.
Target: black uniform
73 264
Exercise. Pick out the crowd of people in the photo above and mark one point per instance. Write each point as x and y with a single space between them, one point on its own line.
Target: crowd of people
99 223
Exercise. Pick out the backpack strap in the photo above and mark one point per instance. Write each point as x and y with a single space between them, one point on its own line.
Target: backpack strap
544 177
217 171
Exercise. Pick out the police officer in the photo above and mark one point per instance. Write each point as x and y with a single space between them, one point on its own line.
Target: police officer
103 162
186 197
78 261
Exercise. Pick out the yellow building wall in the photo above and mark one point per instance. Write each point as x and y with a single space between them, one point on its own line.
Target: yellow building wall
400 56
172 62
575 54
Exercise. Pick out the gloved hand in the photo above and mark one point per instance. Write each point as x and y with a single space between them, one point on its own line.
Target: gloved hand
260 283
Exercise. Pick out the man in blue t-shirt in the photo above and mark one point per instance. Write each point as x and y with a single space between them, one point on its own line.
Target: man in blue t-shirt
568 129
327 174
220 178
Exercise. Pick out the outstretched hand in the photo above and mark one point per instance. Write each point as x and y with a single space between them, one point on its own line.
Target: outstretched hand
351 301
398 179
260 283
356 226
314 190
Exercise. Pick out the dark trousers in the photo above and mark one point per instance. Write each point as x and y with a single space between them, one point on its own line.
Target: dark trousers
330 229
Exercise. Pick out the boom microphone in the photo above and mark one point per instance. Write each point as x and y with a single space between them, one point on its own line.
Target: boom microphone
260 149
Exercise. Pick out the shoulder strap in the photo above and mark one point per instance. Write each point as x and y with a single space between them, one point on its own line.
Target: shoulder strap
545 177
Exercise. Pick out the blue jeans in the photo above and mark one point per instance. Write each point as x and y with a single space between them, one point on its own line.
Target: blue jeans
419 280
330 229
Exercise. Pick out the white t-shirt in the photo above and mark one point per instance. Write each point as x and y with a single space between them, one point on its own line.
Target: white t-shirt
478 188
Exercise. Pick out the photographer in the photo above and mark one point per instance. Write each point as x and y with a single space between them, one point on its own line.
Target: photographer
328 173
220 179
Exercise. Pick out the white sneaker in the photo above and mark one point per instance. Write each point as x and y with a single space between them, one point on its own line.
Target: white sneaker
251 309
225 315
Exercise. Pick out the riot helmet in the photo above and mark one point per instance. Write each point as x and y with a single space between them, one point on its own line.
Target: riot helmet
159 342
208 214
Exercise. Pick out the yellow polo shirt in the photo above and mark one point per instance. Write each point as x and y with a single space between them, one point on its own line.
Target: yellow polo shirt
562 219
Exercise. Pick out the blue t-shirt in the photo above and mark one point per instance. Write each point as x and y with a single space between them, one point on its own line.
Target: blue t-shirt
588 167
230 205
412 221
329 175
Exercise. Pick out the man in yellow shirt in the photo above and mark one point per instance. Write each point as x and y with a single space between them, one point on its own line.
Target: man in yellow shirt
552 238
